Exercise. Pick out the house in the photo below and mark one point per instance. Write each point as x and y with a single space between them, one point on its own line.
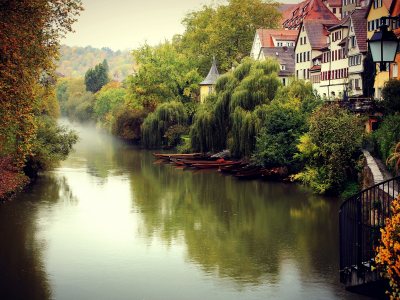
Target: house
272 38
356 50
315 72
306 10
395 11
334 64
375 10
335 6
206 86
285 57
349 6
311 38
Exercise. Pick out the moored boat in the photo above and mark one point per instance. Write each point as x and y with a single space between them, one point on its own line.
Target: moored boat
212 165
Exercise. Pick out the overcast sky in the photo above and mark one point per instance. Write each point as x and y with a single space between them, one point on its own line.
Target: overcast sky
125 24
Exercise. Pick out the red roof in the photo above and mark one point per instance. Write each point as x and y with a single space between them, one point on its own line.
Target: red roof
316 68
335 3
267 34
306 10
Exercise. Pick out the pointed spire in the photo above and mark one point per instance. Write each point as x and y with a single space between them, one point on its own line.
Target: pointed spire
212 75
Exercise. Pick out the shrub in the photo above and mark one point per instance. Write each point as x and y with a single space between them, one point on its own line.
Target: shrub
388 253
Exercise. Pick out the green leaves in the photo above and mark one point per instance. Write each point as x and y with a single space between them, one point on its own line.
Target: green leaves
330 149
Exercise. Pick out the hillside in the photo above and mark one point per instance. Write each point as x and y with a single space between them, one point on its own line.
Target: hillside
75 61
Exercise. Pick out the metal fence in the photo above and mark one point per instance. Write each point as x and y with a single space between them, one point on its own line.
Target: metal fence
361 217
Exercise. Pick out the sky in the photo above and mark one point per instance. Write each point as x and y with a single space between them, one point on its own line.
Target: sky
126 24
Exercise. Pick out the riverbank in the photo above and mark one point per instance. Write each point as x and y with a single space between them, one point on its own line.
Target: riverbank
11 180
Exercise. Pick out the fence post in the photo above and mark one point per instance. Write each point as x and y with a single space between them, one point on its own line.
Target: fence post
359 234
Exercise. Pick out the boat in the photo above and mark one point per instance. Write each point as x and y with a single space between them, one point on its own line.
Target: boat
212 165
189 162
249 174
168 155
235 168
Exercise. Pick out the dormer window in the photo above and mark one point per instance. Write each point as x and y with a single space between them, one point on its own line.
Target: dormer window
283 67
305 7
294 13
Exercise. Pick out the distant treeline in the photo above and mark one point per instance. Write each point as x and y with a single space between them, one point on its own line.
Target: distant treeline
75 61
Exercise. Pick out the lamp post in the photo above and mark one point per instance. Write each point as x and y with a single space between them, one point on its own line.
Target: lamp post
383 45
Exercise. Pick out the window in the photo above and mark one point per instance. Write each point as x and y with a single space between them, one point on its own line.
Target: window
210 88
284 81
394 68
334 10
305 40
357 84
283 67
308 56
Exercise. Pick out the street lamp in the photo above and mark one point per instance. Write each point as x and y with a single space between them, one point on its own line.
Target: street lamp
383 45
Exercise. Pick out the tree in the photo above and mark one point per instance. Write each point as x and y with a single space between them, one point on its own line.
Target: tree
29 39
330 149
232 116
158 122
368 75
97 77
285 121
163 75
226 31
391 96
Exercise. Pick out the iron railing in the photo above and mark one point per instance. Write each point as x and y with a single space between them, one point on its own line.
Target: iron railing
355 104
361 217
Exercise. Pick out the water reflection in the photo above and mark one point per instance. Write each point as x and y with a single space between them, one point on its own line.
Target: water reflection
22 264
110 223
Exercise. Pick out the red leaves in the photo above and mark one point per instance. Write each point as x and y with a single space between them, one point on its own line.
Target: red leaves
10 178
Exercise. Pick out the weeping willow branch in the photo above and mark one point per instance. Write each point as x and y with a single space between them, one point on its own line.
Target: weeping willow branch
157 123
231 116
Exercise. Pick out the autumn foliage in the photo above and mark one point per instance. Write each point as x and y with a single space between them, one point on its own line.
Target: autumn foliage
10 179
388 253
30 31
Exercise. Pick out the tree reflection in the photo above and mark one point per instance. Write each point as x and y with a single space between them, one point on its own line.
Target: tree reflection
232 228
22 268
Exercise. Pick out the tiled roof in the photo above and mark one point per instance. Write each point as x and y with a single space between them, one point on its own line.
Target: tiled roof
267 34
306 10
212 75
343 42
360 28
335 3
316 31
285 56
341 23
316 68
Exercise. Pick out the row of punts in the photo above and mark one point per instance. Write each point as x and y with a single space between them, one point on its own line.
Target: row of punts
239 169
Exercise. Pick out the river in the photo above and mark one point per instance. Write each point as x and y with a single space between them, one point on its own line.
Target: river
109 223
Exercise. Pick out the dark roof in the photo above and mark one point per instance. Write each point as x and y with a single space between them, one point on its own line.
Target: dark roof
284 55
360 28
343 42
340 23
316 31
212 75
306 10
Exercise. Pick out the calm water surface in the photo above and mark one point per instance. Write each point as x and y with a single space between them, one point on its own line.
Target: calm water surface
109 223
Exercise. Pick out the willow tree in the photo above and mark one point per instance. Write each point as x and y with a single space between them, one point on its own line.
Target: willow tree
231 115
158 122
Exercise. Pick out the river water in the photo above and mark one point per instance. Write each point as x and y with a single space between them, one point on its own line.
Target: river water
109 223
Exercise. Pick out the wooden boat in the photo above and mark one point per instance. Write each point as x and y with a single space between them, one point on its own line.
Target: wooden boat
168 155
271 174
234 168
178 162
212 165
192 162
250 174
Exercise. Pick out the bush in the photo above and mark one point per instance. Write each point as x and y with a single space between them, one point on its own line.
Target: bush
52 145
391 96
174 134
388 253
330 149
126 122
